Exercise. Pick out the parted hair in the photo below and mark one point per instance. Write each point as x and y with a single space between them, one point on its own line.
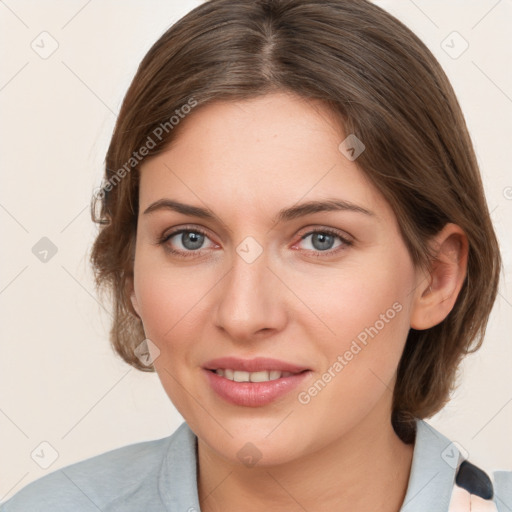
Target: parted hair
384 86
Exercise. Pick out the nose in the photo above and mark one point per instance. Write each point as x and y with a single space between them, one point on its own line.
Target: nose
251 300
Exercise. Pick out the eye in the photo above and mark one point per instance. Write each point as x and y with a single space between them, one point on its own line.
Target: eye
189 242
323 241
184 241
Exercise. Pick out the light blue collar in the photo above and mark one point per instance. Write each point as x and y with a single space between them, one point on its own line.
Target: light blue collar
434 466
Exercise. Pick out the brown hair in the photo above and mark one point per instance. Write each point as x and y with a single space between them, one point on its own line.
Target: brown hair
387 89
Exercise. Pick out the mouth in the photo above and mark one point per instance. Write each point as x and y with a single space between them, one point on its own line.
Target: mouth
255 382
260 376
255 365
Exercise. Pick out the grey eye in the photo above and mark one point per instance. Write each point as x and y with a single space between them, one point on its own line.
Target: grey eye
187 240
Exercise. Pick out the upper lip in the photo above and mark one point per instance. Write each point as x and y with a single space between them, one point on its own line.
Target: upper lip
253 365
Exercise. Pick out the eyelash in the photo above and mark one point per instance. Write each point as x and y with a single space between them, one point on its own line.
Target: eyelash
191 254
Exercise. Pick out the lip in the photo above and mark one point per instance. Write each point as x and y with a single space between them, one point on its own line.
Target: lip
253 394
253 365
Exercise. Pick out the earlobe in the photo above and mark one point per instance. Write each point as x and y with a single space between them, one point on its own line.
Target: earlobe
130 290
134 302
438 291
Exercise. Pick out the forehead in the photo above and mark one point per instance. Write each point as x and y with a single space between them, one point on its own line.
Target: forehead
262 129
258 153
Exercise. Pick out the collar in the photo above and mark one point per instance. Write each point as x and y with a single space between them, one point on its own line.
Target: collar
434 465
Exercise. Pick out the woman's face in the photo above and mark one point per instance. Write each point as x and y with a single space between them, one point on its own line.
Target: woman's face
324 290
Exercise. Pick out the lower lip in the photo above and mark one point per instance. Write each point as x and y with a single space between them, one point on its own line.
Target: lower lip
253 394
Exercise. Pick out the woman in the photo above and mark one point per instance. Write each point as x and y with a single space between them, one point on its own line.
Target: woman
294 230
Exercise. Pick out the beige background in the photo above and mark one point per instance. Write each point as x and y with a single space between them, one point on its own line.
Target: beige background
60 382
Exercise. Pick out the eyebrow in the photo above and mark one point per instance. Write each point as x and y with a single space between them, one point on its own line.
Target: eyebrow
286 214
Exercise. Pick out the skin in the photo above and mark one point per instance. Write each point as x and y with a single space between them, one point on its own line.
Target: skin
245 161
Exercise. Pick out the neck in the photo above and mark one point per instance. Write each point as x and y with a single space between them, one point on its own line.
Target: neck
366 469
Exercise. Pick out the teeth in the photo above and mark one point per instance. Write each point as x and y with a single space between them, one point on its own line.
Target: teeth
241 376
262 376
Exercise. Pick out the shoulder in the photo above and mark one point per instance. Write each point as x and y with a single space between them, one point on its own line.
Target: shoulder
441 473
97 482
503 489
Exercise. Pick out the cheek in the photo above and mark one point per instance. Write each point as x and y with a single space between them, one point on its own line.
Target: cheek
169 302
168 298
368 313
355 299
366 309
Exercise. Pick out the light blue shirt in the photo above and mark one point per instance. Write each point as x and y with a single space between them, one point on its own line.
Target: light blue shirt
160 475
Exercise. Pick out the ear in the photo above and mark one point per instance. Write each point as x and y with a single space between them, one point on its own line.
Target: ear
436 295
130 290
